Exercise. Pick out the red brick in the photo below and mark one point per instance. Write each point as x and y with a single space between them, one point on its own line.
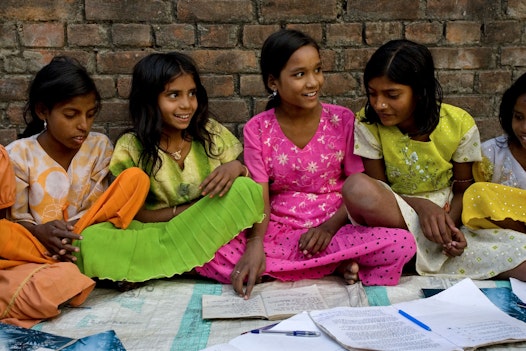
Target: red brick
377 33
226 61
118 62
344 34
13 88
516 9
462 32
42 10
87 35
298 10
252 85
513 56
229 111
424 32
493 82
15 64
105 86
124 86
329 60
136 35
255 35
152 11
457 82
372 10
7 136
355 104
218 85
223 11
356 59
113 111
461 9
218 35
7 35
476 105
36 58
489 127
463 58
175 35
43 34
15 114
502 32
339 84
259 105
314 30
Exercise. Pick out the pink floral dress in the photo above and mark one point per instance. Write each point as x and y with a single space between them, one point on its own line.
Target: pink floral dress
305 191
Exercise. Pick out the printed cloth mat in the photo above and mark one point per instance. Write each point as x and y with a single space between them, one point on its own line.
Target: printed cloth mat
166 314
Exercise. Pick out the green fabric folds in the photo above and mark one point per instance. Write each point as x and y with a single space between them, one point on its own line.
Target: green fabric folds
146 251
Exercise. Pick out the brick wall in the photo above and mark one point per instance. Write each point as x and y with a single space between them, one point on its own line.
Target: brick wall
479 47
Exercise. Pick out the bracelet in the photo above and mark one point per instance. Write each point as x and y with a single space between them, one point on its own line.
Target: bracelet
173 210
252 238
462 180
246 170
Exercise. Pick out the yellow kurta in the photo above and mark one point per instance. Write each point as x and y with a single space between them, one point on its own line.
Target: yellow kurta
424 169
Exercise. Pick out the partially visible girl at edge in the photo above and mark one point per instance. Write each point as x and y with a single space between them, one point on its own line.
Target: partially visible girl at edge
300 151
200 195
61 170
417 152
494 205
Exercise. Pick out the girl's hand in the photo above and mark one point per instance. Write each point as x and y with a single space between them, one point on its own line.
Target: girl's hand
220 180
457 245
57 237
250 267
436 223
315 240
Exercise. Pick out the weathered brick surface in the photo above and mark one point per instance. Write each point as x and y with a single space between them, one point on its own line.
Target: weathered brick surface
479 47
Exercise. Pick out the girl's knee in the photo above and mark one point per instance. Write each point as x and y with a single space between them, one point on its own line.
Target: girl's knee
359 188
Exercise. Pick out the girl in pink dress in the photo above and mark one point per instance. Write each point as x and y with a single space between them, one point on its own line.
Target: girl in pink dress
300 151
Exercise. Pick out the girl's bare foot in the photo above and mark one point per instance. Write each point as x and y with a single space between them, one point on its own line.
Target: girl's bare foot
350 271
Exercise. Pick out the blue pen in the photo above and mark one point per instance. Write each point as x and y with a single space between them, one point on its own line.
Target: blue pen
286 332
414 320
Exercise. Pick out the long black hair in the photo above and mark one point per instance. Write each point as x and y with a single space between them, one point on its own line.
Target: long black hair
275 53
60 80
407 63
507 104
150 76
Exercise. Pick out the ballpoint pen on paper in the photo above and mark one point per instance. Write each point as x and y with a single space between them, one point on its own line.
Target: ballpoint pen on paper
267 329
414 320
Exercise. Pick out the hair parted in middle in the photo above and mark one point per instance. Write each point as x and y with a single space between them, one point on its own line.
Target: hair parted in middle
408 63
149 79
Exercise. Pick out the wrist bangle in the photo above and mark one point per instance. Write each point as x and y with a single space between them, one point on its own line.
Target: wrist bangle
254 237
246 170
173 210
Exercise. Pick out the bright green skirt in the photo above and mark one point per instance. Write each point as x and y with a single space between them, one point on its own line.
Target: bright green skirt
146 251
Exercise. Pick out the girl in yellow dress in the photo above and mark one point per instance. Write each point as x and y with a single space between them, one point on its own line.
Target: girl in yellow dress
418 154
495 206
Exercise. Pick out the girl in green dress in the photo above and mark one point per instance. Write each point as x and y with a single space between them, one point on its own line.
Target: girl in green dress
200 195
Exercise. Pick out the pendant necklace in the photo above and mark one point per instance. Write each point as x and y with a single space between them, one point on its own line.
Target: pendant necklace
177 154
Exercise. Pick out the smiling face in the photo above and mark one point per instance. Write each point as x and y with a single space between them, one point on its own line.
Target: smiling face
301 80
68 122
518 122
178 103
393 103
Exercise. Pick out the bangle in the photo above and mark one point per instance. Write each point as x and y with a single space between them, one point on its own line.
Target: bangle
462 180
173 210
246 170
